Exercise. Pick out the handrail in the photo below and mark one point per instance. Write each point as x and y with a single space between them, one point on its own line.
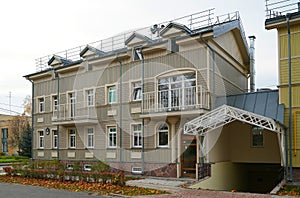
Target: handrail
193 21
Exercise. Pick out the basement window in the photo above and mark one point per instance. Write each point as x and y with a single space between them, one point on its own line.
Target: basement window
136 170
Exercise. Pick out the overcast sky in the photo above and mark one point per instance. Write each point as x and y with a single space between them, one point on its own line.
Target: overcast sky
33 28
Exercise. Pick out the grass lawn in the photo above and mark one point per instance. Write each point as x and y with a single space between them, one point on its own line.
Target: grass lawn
82 186
12 159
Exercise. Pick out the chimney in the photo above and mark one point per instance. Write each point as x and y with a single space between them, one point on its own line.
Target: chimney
252 63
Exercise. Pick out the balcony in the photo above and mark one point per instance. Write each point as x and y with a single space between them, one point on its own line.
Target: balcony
75 113
178 99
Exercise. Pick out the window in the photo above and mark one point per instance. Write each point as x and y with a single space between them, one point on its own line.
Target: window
4 147
72 138
90 97
90 138
4 133
257 138
177 91
4 140
70 167
112 137
112 94
41 139
87 167
72 104
137 135
55 138
41 105
55 103
163 135
137 91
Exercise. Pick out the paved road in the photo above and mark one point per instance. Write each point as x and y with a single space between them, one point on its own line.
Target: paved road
22 191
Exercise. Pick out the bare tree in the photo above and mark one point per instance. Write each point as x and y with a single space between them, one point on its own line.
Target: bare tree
18 124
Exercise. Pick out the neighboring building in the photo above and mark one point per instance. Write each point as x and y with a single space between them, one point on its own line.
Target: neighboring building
9 144
125 102
277 18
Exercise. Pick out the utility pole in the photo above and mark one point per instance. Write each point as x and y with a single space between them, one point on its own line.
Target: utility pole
9 96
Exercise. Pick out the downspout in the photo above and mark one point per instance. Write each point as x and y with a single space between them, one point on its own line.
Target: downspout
143 119
121 110
58 102
286 154
213 84
32 116
290 98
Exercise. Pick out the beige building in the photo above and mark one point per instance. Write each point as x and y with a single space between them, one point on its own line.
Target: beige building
125 101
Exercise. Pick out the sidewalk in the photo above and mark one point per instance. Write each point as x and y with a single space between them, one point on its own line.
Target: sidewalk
174 187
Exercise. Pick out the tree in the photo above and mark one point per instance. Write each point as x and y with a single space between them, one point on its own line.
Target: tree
25 142
18 124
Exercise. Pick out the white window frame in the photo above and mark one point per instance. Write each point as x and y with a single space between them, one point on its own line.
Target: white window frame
134 132
163 131
41 139
88 135
108 92
111 134
135 87
41 103
54 139
90 97
87 167
72 104
73 135
55 103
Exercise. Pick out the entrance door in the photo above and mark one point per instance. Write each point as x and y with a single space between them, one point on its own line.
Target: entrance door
188 156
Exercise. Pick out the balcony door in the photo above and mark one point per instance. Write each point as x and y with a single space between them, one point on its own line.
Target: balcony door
72 105
177 92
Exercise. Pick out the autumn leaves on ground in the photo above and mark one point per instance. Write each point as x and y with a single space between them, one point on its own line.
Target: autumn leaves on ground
76 186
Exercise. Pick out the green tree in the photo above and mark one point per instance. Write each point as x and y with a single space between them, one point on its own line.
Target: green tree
25 142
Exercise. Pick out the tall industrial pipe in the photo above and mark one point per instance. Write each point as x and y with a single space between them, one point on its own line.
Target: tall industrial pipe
252 63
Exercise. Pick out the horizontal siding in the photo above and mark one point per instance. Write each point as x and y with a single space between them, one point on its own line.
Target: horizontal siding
295 70
284 96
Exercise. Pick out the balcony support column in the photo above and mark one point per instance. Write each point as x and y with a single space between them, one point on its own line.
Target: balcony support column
173 121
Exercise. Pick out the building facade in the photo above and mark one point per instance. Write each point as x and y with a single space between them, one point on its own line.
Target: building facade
288 30
126 100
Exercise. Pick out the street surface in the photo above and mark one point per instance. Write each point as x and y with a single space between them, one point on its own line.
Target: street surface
23 191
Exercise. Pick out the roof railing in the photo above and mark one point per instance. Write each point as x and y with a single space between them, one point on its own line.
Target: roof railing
276 8
194 22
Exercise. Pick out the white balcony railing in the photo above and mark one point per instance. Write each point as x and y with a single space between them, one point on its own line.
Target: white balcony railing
74 111
178 99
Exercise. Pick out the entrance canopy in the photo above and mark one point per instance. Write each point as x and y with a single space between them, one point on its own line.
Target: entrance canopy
260 113
226 114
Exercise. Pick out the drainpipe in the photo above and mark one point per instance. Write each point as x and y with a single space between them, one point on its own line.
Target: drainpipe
290 98
32 116
58 102
121 110
212 84
252 63
143 119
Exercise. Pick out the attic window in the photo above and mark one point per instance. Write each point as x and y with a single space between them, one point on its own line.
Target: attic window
136 55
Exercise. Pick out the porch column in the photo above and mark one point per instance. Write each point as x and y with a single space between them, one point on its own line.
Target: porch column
173 121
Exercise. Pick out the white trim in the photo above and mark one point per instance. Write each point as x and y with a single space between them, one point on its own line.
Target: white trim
38 138
132 136
69 142
157 135
107 136
86 139
85 95
131 90
107 86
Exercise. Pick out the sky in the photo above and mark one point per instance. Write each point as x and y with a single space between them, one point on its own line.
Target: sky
31 29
